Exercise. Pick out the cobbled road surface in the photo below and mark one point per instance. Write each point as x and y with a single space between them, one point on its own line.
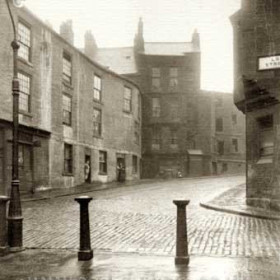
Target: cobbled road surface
142 219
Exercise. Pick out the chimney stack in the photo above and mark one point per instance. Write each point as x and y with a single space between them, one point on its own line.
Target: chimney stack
139 44
66 31
90 46
196 40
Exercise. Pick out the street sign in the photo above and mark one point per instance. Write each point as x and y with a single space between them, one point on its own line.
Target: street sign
269 62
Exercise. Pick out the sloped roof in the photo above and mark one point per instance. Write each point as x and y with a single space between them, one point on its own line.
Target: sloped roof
120 60
170 48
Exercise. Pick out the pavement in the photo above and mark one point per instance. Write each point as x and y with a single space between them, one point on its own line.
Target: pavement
234 201
133 233
63 265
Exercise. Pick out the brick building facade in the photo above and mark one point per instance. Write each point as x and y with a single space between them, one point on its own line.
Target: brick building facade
78 120
257 47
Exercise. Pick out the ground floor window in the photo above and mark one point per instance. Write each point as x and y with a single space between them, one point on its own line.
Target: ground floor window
102 162
266 138
68 159
134 164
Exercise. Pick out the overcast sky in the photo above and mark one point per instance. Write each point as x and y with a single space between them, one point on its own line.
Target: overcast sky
114 23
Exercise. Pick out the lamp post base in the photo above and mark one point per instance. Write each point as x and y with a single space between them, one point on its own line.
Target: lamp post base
15 249
182 260
85 255
15 234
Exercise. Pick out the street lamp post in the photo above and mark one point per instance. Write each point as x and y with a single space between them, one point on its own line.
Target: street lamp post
15 214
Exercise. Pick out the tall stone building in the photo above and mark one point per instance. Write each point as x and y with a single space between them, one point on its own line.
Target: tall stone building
176 116
79 121
228 134
257 84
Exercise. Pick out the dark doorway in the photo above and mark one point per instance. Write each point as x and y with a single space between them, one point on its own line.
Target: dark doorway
121 168
214 168
87 169
25 167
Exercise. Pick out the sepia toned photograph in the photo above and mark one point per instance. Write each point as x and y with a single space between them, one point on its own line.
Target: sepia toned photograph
139 140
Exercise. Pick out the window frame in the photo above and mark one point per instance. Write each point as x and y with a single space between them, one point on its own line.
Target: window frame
24 93
96 89
97 132
266 130
23 44
235 146
103 163
69 123
155 76
156 139
127 102
66 57
174 139
219 127
173 77
156 110
234 119
68 161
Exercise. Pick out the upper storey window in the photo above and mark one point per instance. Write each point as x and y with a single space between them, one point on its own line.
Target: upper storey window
24 40
97 88
173 78
67 68
127 101
155 78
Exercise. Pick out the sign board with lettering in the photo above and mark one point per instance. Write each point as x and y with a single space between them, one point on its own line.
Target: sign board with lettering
269 62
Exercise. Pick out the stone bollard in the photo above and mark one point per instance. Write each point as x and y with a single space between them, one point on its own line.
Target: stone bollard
182 255
3 222
85 252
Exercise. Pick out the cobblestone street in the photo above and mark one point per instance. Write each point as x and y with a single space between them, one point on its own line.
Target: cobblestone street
142 219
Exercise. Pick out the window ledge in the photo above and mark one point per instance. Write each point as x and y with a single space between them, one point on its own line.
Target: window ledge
264 160
24 113
98 101
127 112
67 174
67 125
70 86
26 62
98 137
102 174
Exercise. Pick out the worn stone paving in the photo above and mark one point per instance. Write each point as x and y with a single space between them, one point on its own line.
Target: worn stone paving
142 219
